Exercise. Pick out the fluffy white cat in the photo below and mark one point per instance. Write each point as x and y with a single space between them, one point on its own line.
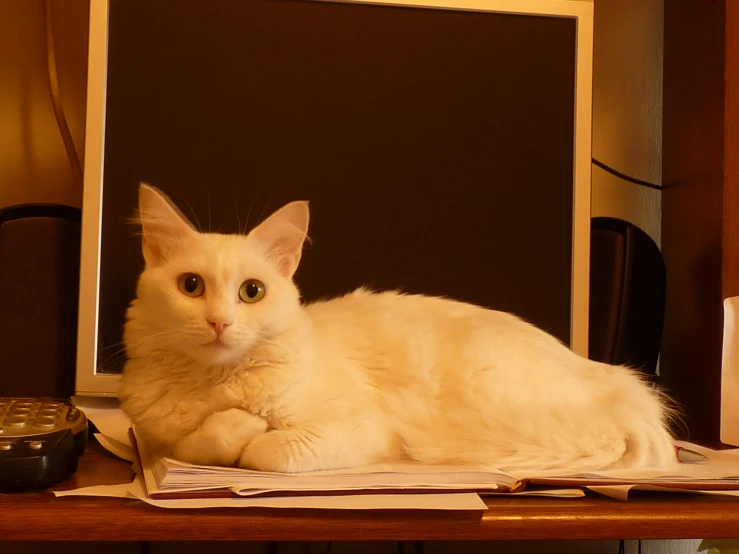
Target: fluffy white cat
227 367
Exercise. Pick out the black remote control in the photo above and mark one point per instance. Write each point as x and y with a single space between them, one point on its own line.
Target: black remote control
41 441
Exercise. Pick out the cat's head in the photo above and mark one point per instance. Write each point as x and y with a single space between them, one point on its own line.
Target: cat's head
213 296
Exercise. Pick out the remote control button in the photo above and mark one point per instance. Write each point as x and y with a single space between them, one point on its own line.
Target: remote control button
19 411
44 422
6 445
47 412
27 405
35 445
15 421
73 414
50 404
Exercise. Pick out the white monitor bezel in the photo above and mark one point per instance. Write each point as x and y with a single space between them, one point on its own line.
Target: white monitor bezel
91 383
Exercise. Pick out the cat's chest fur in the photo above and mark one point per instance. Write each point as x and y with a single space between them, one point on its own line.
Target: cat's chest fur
264 392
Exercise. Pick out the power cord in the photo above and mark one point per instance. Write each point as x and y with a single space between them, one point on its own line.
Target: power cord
56 101
616 173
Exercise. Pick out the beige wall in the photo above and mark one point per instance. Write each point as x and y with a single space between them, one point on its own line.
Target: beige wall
33 163
627 109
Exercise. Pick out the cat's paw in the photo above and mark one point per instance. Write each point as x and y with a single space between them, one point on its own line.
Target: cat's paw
278 451
221 438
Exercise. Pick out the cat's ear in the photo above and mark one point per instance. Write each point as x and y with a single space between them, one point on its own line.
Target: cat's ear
163 226
282 234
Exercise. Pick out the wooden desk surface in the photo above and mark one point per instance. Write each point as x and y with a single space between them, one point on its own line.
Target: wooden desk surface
40 516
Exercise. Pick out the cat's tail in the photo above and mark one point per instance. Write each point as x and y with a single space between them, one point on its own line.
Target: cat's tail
629 432
646 447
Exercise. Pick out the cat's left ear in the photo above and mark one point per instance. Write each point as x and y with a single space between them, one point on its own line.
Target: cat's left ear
163 226
282 234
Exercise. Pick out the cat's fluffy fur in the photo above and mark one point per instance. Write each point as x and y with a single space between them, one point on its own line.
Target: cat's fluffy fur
360 379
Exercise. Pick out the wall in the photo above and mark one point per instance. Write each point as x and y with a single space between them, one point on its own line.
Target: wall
33 163
627 109
627 136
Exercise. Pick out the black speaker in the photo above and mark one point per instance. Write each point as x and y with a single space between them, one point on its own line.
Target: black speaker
39 286
627 295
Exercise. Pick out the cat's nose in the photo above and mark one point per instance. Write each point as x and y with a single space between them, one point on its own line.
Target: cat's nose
219 324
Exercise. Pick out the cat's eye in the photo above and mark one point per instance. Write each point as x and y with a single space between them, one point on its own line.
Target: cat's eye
191 285
251 291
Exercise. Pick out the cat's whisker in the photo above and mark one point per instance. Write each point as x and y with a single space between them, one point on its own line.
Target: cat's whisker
223 223
266 205
238 219
207 198
194 215
115 356
113 351
251 206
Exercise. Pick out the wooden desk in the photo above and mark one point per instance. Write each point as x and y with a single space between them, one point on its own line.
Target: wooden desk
42 517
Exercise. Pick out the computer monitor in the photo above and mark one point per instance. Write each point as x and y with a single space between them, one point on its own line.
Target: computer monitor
444 146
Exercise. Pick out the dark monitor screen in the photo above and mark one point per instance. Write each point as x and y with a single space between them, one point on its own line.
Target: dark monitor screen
435 146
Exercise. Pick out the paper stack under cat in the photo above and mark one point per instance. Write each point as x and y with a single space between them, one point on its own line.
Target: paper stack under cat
167 478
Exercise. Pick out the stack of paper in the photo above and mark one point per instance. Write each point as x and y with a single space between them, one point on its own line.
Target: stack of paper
168 478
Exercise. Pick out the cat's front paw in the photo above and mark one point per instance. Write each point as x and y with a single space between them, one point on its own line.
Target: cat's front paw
221 438
277 451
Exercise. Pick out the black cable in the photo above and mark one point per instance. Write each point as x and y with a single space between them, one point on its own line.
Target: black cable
274 547
639 546
621 547
625 177
145 548
328 548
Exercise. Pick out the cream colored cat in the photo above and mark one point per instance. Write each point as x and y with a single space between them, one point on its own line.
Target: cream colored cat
227 367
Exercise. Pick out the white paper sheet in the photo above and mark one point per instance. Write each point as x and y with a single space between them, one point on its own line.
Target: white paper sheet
123 451
730 374
546 493
721 466
621 492
447 502
453 501
107 416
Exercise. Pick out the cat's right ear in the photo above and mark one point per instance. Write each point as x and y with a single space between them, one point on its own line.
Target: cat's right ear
163 226
282 235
